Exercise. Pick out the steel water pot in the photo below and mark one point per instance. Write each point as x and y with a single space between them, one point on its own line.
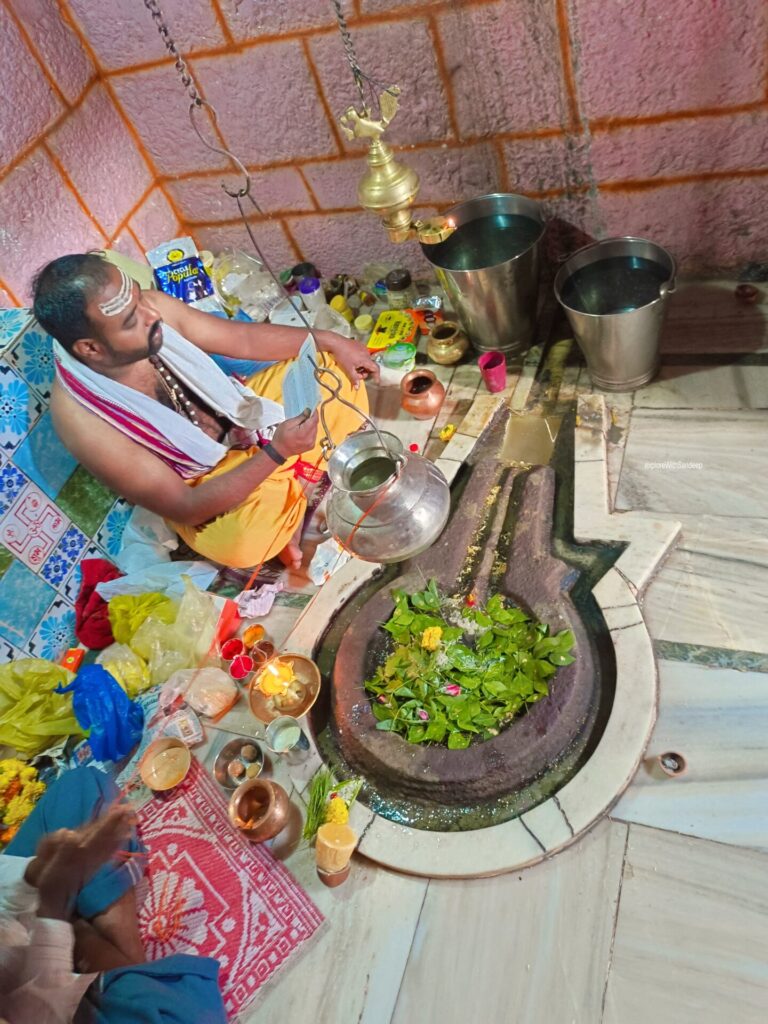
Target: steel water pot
386 504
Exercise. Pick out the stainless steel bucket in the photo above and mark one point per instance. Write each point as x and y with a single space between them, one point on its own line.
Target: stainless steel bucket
489 268
614 294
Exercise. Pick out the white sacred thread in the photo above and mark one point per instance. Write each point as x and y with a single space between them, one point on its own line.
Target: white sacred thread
118 302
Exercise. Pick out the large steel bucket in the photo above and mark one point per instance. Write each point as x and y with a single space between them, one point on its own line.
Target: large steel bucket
489 268
614 294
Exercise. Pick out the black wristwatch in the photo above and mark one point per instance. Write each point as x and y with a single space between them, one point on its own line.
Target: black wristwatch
270 450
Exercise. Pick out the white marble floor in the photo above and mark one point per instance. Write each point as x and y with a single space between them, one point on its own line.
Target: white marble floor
660 912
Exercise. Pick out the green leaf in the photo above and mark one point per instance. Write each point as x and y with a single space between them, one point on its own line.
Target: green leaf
560 659
457 741
417 734
436 731
386 725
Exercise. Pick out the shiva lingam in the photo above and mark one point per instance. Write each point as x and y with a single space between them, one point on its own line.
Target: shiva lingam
499 542
385 504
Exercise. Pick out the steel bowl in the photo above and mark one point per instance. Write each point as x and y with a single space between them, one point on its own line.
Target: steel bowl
231 752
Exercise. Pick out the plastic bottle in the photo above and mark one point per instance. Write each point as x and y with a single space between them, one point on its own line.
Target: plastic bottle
312 293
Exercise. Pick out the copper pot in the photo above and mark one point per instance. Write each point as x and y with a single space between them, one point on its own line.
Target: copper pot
421 393
447 343
259 809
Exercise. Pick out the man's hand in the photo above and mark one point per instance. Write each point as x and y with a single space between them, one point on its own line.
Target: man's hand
353 357
295 436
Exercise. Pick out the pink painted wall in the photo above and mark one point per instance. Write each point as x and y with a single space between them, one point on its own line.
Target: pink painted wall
647 117
73 172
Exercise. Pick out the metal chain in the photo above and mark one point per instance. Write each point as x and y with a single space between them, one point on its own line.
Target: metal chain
349 49
181 66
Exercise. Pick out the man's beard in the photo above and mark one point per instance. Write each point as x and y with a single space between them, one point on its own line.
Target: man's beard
155 339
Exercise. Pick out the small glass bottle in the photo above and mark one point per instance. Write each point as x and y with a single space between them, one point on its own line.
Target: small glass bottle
400 293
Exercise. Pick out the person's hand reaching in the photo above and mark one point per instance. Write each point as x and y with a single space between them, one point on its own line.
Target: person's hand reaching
353 357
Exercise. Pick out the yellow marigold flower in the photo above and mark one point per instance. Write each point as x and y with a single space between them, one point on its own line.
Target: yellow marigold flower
17 810
337 812
28 774
33 790
430 638
447 432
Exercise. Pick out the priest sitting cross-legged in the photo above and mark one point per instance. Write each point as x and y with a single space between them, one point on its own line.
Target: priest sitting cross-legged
139 401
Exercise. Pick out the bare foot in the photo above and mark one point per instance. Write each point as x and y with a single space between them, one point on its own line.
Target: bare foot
291 556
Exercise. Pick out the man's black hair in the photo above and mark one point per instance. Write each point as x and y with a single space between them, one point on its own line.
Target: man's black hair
62 289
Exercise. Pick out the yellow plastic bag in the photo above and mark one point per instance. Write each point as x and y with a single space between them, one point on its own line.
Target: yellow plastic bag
131 671
128 611
182 644
32 716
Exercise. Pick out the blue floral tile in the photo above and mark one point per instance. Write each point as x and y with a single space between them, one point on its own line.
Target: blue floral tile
12 482
72 543
59 564
55 633
110 536
24 598
9 653
32 355
44 458
20 408
12 323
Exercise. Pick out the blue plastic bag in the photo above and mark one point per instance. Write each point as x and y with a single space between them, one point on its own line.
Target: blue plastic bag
100 704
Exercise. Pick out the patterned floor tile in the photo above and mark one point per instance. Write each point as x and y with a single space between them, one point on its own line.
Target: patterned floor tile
32 527
32 355
68 551
55 633
85 501
6 560
12 323
24 598
20 408
44 459
9 653
12 482
71 585
110 536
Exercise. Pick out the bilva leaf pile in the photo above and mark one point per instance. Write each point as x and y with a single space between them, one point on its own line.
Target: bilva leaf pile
458 674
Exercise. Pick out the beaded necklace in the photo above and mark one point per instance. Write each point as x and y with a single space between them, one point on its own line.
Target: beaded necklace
175 392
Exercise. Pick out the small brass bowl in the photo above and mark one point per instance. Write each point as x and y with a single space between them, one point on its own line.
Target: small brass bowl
165 764
308 675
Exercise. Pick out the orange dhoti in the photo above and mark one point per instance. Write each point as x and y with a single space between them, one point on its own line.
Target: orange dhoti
265 522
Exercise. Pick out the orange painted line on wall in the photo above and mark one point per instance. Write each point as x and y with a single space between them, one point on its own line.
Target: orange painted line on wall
647 184
31 46
321 95
129 231
502 164
608 124
308 187
442 70
133 210
297 251
223 23
564 32
64 174
10 292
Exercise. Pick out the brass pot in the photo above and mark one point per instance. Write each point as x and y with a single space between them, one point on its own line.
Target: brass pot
259 809
422 394
447 343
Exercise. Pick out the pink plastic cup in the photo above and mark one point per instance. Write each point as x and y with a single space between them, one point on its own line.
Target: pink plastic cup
493 367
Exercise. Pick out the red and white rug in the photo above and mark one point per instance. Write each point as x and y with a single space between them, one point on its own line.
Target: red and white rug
210 892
